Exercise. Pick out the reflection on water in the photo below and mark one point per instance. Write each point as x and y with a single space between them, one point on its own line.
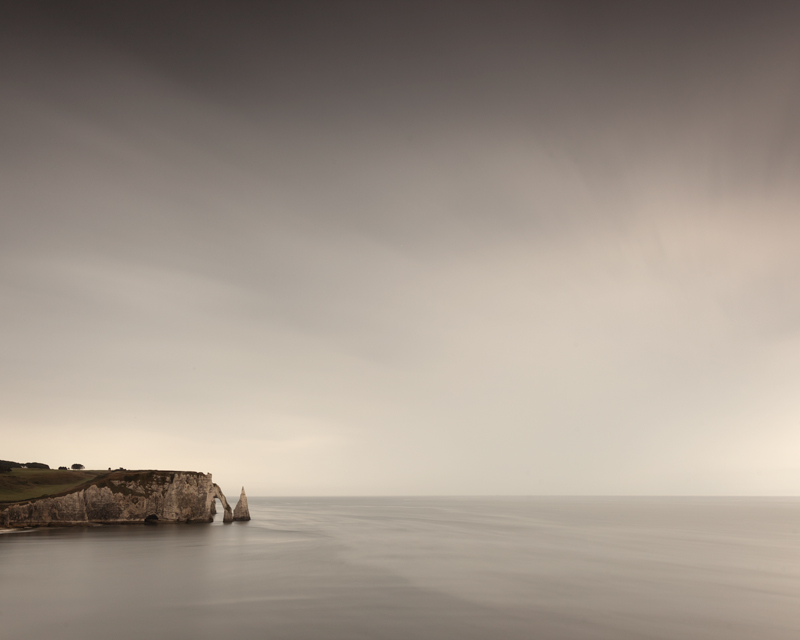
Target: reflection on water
461 568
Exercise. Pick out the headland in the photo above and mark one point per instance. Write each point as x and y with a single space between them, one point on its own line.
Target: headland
116 497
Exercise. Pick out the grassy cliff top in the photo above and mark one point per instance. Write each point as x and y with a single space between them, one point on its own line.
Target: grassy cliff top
24 484
27 484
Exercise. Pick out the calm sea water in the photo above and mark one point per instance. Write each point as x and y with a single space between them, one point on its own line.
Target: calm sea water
419 568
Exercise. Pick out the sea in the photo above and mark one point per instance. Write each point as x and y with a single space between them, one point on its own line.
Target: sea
419 568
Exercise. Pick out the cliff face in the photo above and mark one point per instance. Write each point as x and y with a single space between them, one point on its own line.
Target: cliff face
123 497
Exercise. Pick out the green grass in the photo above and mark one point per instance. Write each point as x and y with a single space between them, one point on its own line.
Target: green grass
24 484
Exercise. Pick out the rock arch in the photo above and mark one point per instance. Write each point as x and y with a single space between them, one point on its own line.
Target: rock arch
228 516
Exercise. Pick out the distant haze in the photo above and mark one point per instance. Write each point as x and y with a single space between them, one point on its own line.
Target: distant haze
353 248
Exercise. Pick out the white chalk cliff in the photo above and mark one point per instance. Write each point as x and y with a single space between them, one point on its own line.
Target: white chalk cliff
122 497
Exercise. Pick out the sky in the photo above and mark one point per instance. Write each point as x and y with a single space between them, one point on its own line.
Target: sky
417 248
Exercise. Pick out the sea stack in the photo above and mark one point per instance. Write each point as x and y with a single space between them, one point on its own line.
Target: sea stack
241 511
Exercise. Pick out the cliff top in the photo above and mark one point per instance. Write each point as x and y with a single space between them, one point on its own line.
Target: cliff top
22 485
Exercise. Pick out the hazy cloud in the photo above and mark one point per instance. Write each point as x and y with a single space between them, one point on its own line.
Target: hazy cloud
437 248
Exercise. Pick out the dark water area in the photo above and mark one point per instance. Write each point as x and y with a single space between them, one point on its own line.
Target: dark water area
403 568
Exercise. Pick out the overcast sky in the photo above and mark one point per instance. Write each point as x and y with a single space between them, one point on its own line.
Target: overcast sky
411 248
